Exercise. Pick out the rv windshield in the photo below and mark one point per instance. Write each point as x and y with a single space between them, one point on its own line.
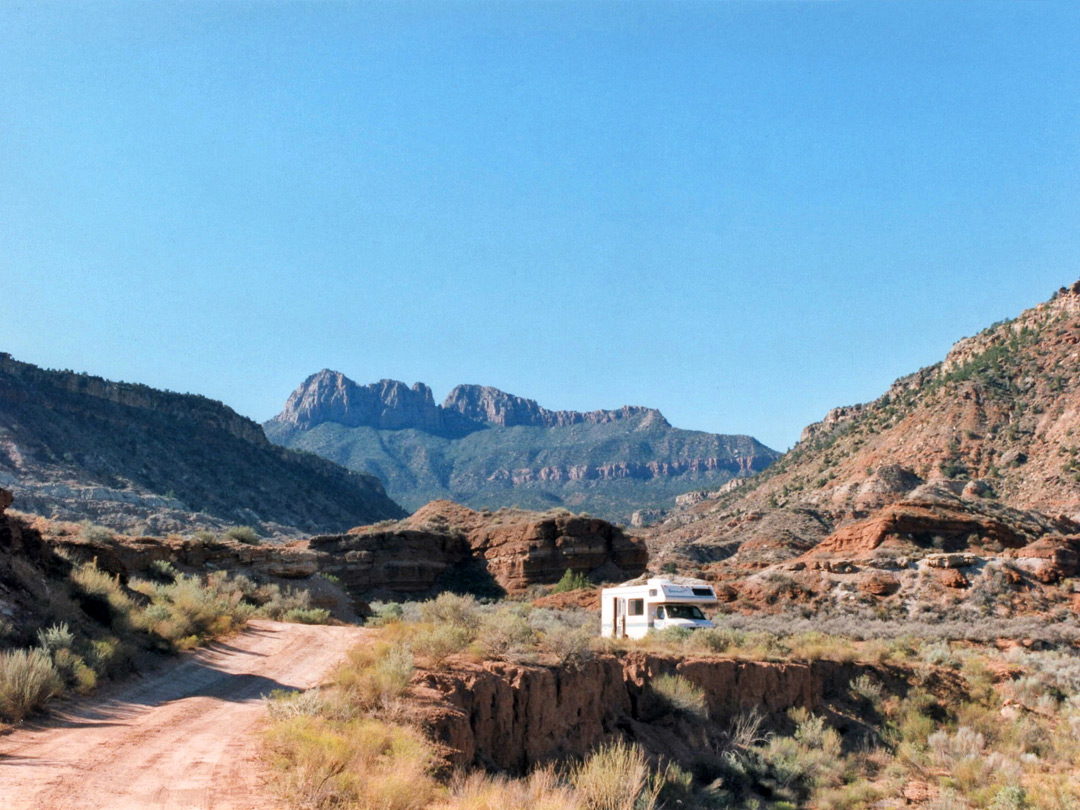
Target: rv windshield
684 612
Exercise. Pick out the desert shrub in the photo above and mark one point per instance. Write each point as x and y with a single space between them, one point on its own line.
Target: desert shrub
189 610
93 581
912 724
676 636
110 657
452 609
374 678
939 654
57 642
571 647
744 732
571 581
716 639
816 645
283 704
74 671
56 637
164 570
1010 797
810 759
93 533
550 620
949 749
383 613
242 534
437 643
204 536
615 777
677 694
867 687
290 604
506 634
27 679
307 615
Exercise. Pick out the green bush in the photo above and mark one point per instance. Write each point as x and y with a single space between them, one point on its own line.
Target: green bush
28 678
571 581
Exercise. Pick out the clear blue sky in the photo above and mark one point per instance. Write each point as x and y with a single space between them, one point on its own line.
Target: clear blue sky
741 213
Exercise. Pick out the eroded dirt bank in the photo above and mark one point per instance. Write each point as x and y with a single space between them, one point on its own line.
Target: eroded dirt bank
180 738
511 717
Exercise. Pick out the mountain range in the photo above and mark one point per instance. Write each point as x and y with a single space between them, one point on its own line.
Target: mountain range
486 448
74 447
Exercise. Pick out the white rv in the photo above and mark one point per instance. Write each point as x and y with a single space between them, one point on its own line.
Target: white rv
633 609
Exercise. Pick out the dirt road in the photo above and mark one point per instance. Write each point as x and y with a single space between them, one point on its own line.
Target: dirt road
181 738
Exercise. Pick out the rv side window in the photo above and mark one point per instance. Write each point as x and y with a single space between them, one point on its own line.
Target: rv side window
636 607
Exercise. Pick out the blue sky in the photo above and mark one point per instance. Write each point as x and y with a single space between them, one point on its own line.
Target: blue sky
742 213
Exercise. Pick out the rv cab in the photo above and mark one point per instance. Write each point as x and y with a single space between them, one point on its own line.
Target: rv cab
633 609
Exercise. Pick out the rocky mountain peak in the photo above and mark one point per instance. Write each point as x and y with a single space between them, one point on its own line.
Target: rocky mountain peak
483 403
330 396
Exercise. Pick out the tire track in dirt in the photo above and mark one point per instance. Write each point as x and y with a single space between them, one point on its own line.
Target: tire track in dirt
178 739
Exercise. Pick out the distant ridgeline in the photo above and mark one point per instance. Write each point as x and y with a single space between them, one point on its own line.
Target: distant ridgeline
486 448
75 447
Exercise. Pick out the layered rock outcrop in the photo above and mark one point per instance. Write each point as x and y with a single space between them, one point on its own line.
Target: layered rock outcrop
444 540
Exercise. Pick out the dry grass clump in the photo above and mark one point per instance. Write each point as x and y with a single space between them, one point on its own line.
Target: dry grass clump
358 763
616 777
373 678
543 789
27 680
674 693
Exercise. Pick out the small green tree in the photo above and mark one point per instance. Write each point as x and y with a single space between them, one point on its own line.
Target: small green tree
571 581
